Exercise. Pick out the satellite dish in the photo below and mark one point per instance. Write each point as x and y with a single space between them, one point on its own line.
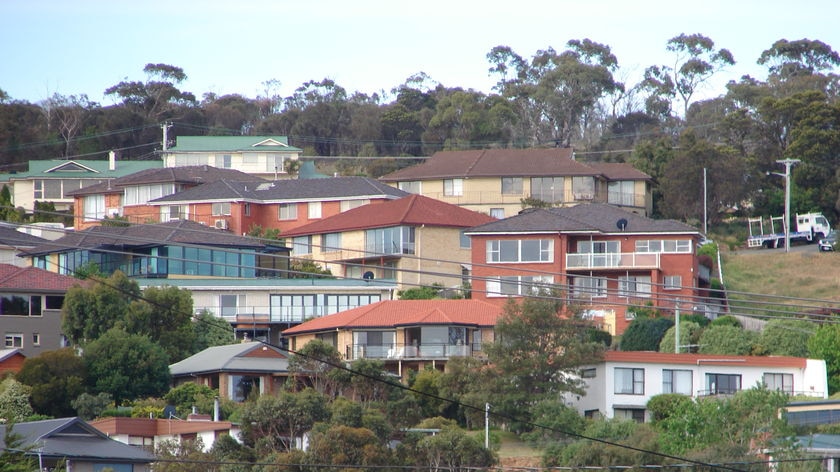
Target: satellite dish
368 275
169 412
621 224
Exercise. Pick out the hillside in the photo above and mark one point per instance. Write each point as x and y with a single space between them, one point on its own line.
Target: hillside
802 273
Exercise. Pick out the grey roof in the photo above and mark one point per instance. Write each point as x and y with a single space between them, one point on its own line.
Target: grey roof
72 438
584 218
150 235
189 175
10 236
231 358
332 188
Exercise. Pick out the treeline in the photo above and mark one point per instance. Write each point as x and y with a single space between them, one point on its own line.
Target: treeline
572 97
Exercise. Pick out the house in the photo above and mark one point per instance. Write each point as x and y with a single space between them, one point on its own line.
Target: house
415 241
602 256
496 181
236 370
13 241
405 335
73 444
148 433
128 196
623 382
30 308
267 157
54 180
11 361
282 204
174 249
260 308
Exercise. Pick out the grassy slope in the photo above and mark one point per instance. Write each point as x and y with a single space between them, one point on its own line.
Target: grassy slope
807 274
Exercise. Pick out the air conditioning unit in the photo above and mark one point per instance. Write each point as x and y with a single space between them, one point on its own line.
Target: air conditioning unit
221 224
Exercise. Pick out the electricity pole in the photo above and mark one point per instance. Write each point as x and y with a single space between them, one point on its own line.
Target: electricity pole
788 163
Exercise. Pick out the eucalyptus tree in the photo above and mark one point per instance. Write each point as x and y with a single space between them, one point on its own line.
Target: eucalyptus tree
158 97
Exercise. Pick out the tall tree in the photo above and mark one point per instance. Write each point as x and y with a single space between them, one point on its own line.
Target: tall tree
68 115
275 422
164 315
158 96
90 311
56 379
316 364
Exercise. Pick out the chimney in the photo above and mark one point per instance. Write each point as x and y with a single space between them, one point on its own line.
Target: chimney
112 160
216 409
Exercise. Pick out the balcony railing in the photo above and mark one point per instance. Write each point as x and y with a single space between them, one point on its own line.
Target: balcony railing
401 351
623 260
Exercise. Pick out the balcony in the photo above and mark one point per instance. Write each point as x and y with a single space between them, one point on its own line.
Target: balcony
409 352
624 260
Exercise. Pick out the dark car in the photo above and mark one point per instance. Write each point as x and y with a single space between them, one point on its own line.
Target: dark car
829 243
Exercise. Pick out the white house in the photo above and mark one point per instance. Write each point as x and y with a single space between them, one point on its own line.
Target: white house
622 383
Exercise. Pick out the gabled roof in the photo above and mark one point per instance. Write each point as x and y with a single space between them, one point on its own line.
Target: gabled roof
190 175
149 235
9 353
281 191
395 313
650 357
413 210
10 236
598 218
232 144
80 169
72 438
241 357
34 280
548 162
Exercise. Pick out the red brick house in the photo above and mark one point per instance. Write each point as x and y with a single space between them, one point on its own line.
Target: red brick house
609 259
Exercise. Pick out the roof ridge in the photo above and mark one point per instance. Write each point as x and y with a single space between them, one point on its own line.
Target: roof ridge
474 163
14 273
412 200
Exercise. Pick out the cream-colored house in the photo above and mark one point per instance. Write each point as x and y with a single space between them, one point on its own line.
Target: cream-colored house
497 181
415 241
267 157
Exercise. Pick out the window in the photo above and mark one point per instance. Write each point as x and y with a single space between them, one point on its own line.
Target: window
464 240
583 188
588 373
412 186
229 305
223 161
634 286
520 250
453 187
274 163
673 282
173 212
635 414
677 381
511 185
14 340
373 344
517 285
314 210
350 204
725 384
36 339
395 240
295 308
20 305
288 211
142 194
302 245
331 242
247 209
589 287
666 246
781 382
498 213
94 207
221 209
242 386
629 381
547 189
621 193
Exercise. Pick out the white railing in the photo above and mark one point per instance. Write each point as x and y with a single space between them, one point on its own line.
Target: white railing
623 260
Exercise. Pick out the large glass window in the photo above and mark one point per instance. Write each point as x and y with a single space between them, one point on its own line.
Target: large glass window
331 242
411 186
634 286
94 207
302 245
629 381
223 161
453 187
511 185
374 344
621 193
288 211
518 285
547 189
395 240
723 384
673 246
221 209
520 250
583 188
142 194
243 386
20 305
677 381
777 381
588 287
231 305
294 308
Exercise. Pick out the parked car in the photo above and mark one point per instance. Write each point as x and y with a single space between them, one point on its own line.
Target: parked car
829 243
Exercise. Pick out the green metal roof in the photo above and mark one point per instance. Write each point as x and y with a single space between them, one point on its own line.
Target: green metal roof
80 169
232 144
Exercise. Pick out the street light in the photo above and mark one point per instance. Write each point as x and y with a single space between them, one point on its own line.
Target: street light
788 163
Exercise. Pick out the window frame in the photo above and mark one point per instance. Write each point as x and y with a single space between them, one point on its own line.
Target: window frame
636 384
672 282
287 212
672 383
511 186
453 187
499 251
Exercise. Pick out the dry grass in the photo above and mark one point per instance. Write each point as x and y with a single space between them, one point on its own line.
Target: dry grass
800 274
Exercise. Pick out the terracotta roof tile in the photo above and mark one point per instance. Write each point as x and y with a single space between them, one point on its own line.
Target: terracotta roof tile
394 313
648 357
34 280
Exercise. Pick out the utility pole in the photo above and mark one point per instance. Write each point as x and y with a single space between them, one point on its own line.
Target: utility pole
788 163
165 127
705 206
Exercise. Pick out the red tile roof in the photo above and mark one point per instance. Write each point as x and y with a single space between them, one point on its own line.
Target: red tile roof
648 357
394 313
413 210
34 280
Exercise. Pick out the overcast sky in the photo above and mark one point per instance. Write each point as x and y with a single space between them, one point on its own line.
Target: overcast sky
76 47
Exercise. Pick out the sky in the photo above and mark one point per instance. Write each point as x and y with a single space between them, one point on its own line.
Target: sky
369 46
